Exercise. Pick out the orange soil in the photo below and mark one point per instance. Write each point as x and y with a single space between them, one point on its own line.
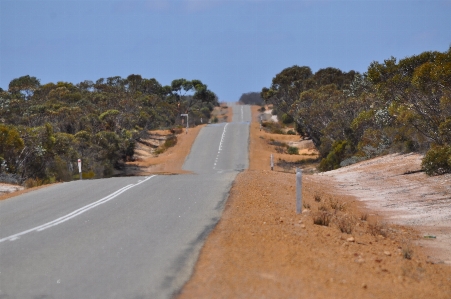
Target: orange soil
262 249
169 162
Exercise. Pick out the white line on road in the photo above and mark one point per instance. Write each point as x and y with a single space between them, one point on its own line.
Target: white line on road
76 212
220 144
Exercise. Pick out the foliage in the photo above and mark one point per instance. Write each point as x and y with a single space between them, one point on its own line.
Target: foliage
292 150
397 106
334 157
437 160
46 128
251 98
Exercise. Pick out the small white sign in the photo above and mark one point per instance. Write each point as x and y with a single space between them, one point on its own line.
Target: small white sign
79 165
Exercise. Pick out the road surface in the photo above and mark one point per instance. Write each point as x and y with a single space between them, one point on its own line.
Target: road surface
131 237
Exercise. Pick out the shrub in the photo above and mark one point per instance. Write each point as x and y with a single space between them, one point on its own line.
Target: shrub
287 119
292 150
346 224
377 229
407 251
322 218
291 132
170 142
437 160
335 156
279 150
337 206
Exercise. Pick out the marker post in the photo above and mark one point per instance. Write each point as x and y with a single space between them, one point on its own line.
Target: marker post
79 168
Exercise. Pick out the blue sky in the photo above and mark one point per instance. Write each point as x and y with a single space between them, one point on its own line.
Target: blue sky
233 46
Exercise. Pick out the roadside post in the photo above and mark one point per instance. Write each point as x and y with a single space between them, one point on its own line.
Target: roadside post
298 190
272 163
185 114
79 168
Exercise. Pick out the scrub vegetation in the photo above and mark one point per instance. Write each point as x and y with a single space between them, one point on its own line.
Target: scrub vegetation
44 129
396 106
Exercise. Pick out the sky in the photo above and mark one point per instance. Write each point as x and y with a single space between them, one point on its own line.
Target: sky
233 46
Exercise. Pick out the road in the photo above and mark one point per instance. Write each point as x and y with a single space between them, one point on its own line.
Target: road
129 237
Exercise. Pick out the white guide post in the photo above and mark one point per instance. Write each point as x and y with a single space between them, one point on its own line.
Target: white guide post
298 190
272 163
79 168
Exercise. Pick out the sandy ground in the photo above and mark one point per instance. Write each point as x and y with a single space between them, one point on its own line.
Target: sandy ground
169 162
390 186
262 249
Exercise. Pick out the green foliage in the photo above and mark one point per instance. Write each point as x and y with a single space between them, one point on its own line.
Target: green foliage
397 106
292 150
46 128
335 156
11 145
437 160
287 119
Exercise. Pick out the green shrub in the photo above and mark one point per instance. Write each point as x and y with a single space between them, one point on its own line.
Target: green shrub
292 150
170 142
287 119
437 160
335 156
291 132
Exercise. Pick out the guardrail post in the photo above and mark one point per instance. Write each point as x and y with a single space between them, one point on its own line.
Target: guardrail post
79 169
298 190
272 163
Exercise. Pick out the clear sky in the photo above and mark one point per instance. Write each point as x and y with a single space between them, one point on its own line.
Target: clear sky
234 46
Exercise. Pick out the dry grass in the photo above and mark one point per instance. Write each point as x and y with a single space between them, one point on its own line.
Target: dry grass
407 250
378 228
346 223
322 218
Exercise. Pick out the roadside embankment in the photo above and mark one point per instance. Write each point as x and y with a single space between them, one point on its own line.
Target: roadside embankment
340 247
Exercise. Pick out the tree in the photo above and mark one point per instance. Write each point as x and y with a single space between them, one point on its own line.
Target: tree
24 86
251 98
286 88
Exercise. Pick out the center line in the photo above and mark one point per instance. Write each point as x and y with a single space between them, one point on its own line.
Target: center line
75 213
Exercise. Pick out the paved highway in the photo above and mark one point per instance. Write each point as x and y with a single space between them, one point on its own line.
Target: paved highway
131 237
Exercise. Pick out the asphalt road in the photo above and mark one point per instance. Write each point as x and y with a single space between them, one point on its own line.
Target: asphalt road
131 237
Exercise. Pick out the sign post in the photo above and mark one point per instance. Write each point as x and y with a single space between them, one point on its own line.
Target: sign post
79 168
298 190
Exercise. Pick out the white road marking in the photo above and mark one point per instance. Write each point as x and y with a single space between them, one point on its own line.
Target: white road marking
220 144
76 212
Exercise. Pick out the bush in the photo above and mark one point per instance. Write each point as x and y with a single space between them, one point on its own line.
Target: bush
287 119
170 142
335 156
292 150
291 132
322 218
437 160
